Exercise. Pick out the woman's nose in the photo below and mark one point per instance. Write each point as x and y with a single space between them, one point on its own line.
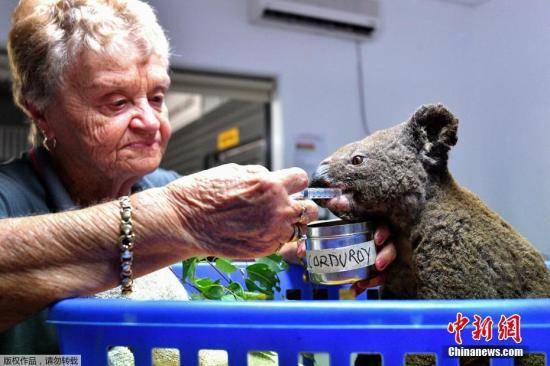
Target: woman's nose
145 118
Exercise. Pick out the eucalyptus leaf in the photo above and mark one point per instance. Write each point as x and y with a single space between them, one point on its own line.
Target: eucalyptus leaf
214 292
275 262
251 285
189 267
236 289
225 265
262 273
229 297
256 296
203 283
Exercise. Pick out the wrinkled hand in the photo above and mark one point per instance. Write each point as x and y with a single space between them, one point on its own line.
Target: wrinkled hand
385 256
239 211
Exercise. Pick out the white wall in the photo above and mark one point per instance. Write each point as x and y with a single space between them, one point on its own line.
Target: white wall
508 107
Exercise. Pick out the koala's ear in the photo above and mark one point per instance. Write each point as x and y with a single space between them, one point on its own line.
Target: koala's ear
433 130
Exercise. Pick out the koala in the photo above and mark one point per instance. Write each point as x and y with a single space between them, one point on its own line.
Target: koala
450 245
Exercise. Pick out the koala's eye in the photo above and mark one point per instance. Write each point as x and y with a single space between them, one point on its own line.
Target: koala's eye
357 160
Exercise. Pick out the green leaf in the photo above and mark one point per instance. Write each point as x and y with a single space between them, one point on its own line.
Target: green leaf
189 267
210 289
225 265
256 296
262 275
214 292
275 262
254 288
203 283
251 285
229 297
236 289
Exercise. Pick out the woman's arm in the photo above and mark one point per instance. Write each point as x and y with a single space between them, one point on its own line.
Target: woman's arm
49 257
230 211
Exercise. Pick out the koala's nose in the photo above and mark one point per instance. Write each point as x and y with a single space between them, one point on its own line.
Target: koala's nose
320 179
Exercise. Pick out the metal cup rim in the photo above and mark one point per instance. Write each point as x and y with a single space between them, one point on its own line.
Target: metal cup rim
337 227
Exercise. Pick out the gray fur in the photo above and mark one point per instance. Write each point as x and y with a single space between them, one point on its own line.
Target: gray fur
450 245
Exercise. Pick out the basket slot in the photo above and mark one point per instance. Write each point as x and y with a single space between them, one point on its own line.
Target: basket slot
373 294
261 357
217 356
373 359
541 356
164 356
425 359
293 294
313 359
320 294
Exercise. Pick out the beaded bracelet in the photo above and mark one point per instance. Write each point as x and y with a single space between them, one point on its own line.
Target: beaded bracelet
126 245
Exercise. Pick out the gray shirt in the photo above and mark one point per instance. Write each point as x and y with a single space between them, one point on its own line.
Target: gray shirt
30 186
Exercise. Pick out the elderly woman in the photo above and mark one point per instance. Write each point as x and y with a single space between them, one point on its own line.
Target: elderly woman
92 76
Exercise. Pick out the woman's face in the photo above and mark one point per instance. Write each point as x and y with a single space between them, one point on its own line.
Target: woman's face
110 117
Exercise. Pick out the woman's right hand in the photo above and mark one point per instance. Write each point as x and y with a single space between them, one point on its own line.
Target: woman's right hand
239 211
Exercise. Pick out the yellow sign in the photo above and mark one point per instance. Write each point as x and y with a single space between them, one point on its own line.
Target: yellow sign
228 138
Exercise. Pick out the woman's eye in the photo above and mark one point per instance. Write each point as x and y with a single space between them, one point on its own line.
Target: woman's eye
157 99
119 104
357 160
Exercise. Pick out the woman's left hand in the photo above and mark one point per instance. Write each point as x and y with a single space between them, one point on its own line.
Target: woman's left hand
293 252
385 256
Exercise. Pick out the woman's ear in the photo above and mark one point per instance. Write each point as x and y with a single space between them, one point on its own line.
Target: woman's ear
433 130
38 118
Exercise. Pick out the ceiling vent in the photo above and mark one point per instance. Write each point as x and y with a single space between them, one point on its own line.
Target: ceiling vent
355 19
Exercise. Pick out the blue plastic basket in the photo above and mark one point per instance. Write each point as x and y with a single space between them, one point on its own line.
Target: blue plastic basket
391 329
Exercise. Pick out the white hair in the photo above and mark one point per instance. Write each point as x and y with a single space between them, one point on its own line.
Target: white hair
48 35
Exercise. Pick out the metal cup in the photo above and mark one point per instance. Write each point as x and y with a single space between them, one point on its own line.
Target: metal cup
339 252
